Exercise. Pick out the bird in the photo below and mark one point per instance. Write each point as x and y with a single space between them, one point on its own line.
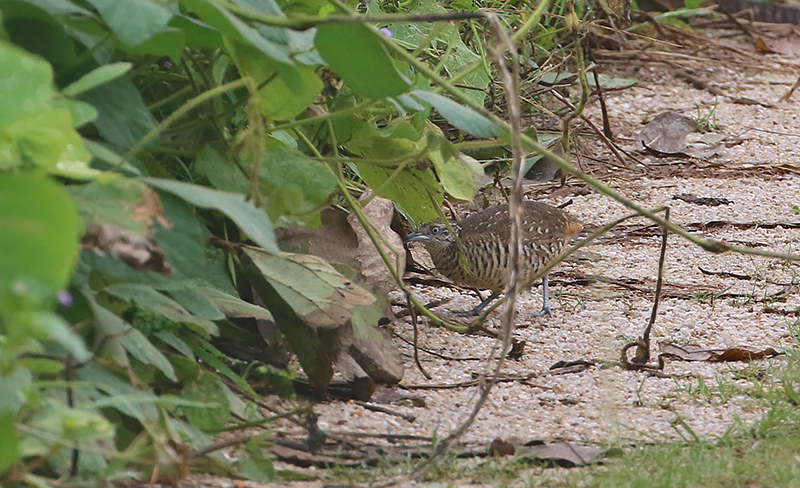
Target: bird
484 237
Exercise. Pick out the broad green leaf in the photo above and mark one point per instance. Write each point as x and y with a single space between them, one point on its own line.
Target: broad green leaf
58 330
40 365
138 405
315 347
456 172
416 192
123 117
38 32
222 173
196 303
464 118
185 246
134 21
312 287
82 113
233 306
9 448
112 331
59 7
14 390
215 411
290 89
236 30
147 297
114 202
45 139
293 183
97 77
253 221
355 53
198 34
26 81
39 231
169 42
104 155
268 7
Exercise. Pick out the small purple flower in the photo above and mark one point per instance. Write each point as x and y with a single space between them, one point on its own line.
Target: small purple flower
64 298
386 32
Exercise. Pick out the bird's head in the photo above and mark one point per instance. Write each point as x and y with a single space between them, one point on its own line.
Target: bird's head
434 233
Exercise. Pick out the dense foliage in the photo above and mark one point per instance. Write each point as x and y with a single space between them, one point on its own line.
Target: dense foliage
140 142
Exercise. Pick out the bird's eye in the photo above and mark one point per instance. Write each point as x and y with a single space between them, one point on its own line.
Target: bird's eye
435 230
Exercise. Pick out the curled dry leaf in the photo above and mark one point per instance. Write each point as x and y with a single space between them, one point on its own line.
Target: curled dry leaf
379 211
666 133
565 454
738 353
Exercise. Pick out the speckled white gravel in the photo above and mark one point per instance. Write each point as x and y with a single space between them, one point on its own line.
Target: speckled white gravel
594 321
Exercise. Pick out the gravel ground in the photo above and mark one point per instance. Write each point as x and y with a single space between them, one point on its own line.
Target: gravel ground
594 321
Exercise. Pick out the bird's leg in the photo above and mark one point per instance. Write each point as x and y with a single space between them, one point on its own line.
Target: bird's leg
477 310
545 300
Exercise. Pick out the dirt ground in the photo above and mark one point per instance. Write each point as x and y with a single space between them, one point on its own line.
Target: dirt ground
603 297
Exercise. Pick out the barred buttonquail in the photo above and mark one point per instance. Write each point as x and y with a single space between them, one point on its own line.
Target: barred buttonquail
485 239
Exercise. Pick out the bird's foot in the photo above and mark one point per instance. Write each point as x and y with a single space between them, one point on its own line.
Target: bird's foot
466 313
544 311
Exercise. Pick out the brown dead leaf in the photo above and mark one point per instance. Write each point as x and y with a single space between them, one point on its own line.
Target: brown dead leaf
138 252
565 454
149 209
335 241
379 211
738 353
666 133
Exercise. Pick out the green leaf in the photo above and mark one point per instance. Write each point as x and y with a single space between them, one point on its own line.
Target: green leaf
36 31
293 183
222 173
312 287
123 117
26 81
59 7
9 448
215 412
169 42
45 139
236 30
233 306
465 119
57 329
82 113
40 365
290 89
147 297
112 201
355 53
416 192
456 172
253 221
113 332
134 21
97 77
198 34
39 231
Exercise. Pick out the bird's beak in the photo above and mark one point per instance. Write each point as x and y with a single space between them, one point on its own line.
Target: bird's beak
417 236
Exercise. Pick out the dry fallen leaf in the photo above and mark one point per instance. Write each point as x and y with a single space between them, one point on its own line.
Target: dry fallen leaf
138 252
666 133
738 353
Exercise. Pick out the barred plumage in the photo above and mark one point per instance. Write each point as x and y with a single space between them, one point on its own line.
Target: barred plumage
484 238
